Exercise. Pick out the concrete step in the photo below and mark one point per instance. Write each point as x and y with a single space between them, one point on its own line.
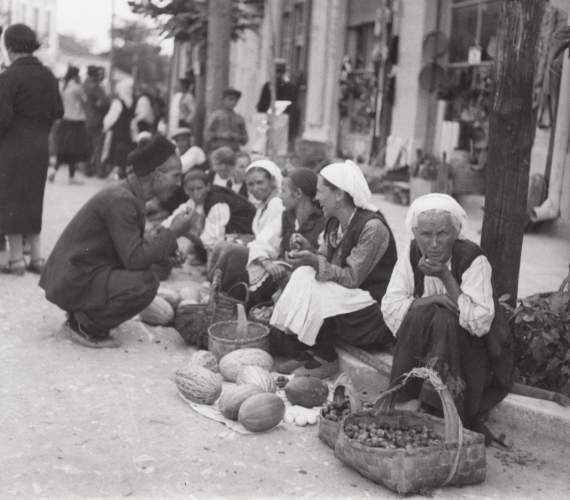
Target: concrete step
515 414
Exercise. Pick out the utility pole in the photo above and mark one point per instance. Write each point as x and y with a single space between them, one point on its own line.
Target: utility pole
512 127
112 50
218 52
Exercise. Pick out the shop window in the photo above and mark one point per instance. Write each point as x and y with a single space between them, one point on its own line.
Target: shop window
473 26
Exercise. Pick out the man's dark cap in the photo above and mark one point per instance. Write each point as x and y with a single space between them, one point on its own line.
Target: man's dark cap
20 39
147 157
231 92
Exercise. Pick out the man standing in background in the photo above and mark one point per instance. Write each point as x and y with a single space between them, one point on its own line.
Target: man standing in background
96 107
182 107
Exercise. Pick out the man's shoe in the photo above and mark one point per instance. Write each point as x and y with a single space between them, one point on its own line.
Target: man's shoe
79 336
317 367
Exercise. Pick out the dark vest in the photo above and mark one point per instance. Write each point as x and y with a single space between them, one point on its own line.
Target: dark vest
499 340
241 210
310 229
377 281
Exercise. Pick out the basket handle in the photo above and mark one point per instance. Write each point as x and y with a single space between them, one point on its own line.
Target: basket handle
245 285
453 424
216 283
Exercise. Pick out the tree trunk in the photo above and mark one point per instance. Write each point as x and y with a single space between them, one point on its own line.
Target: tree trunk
512 126
218 58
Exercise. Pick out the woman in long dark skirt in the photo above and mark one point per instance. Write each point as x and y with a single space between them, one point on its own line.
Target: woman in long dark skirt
29 104
71 136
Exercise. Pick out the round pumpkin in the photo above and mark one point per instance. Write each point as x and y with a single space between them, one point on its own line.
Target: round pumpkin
159 312
232 399
198 384
261 412
255 375
205 359
231 363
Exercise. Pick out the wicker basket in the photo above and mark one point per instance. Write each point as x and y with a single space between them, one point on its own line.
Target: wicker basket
225 336
343 389
192 320
459 460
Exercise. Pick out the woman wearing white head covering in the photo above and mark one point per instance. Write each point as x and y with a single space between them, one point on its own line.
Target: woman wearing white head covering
334 295
247 263
440 307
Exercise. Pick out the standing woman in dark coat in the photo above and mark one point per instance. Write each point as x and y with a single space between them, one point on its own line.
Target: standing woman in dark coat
29 104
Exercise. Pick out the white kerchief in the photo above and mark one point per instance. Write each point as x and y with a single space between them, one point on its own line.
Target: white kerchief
271 168
348 177
436 201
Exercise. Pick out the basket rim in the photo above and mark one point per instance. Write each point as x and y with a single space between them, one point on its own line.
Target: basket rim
264 332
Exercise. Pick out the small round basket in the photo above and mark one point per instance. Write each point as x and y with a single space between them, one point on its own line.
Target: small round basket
228 336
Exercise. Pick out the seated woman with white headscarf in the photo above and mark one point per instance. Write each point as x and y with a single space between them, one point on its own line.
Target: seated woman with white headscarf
246 263
441 307
334 294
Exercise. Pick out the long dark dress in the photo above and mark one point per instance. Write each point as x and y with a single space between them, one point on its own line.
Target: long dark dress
29 105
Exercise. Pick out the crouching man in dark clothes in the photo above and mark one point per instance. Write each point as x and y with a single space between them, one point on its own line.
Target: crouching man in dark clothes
100 269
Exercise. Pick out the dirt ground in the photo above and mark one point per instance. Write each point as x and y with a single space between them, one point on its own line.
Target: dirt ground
86 423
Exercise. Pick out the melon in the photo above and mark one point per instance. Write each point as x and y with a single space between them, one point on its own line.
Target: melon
190 293
171 296
255 375
159 312
233 397
205 359
198 384
261 412
231 363
306 391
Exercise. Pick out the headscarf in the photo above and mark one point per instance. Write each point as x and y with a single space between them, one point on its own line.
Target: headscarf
271 168
305 179
437 201
348 177
124 89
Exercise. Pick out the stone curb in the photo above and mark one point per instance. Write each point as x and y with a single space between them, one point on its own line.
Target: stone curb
514 415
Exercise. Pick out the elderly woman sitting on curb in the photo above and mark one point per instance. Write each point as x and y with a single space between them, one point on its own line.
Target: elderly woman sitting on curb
441 307
334 295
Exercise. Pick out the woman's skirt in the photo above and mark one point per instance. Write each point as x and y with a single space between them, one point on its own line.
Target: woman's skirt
72 144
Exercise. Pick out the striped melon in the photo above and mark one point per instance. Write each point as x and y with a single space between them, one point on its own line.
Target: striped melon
198 384
231 363
205 359
261 412
233 397
159 312
255 375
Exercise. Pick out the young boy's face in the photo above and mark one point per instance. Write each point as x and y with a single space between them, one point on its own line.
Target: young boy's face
224 170
289 194
241 164
196 189
230 101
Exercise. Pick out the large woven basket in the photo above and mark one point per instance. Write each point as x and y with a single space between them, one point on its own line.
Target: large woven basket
224 336
192 320
459 460
343 389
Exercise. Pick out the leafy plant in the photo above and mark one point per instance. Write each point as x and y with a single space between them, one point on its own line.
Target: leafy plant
541 329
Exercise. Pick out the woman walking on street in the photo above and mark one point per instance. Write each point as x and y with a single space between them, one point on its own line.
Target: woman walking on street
29 105
71 138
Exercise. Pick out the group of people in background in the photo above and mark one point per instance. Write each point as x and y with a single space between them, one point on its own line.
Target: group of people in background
310 241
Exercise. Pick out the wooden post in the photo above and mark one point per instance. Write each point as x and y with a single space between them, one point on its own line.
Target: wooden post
512 126
218 58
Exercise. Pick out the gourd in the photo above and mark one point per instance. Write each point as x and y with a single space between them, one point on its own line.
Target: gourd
306 391
205 359
232 399
255 375
171 296
261 412
231 363
159 312
198 384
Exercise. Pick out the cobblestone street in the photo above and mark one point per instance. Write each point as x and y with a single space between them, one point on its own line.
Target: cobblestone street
109 423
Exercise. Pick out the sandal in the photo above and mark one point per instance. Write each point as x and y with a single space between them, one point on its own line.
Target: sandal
36 266
17 267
